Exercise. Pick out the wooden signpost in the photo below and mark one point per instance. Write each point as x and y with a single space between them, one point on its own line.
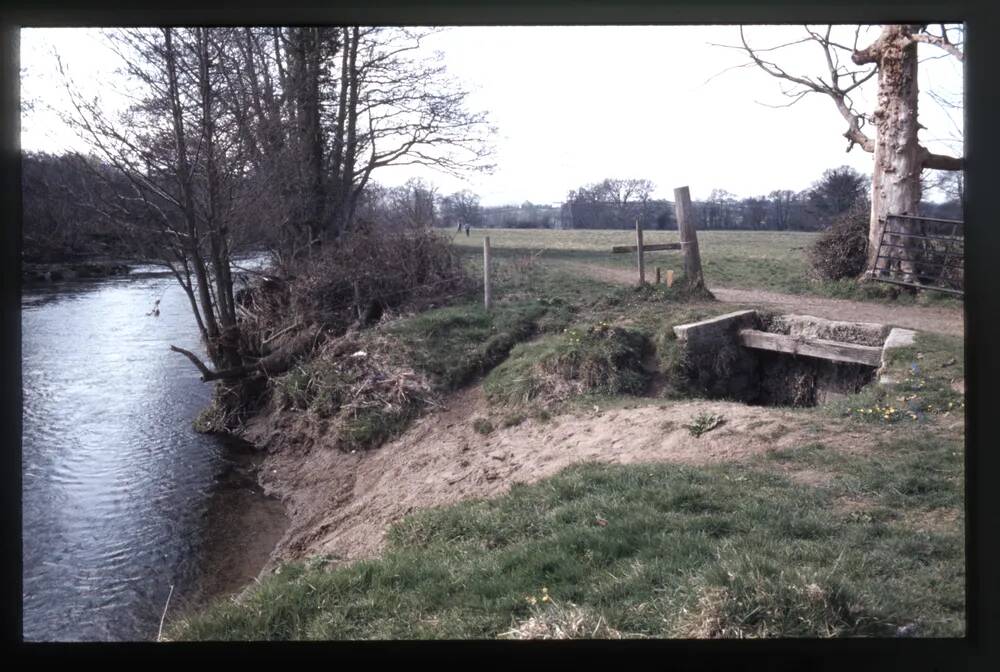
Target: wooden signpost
688 244
689 237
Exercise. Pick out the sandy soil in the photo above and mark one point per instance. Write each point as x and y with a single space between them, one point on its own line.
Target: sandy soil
939 319
341 505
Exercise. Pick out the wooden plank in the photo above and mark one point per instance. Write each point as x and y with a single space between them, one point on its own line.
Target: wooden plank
646 248
811 347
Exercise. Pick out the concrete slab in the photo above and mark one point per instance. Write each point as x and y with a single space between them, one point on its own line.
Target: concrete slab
715 325
871 334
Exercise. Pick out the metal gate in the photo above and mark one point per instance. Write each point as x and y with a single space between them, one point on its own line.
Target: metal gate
933 249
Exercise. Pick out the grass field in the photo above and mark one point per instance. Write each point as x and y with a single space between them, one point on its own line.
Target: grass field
871 543
769 260
726 551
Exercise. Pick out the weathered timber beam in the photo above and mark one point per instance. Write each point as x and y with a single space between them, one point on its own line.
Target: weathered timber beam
812 347
646 248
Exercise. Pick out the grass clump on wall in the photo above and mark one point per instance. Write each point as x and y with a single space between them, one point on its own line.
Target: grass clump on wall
598 359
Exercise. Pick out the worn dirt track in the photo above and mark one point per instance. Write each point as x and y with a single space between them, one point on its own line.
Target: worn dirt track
341 505
938 319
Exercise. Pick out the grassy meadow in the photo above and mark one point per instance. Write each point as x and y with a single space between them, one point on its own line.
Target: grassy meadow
767 260
873 548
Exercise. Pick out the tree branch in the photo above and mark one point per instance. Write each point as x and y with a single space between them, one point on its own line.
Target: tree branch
940 161
938 41
853 134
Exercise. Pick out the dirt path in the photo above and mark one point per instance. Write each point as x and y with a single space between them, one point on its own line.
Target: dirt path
939 319
341 505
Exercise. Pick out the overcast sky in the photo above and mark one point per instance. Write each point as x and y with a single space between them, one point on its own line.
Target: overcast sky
573 105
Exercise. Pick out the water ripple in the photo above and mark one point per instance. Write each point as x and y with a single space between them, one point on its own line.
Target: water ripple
114 478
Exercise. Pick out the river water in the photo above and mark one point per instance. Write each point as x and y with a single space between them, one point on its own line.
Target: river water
117 485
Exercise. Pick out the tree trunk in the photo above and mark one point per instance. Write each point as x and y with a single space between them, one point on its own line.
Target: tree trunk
183 170
896 186
351 144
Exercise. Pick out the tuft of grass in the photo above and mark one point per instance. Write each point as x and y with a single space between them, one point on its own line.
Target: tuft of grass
482 425
373 427
704 422
513 419
725 550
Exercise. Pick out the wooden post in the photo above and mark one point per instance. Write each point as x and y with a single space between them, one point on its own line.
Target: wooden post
657 275
487 290
670 278
689 237
639 252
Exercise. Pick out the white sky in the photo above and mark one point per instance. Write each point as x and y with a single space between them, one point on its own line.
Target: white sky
573 105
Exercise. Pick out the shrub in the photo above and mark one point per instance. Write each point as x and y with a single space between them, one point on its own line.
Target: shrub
840 251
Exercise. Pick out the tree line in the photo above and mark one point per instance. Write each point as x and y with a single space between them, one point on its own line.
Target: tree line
62 216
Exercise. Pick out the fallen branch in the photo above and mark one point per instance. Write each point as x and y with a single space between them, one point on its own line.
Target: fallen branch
274 364
280 333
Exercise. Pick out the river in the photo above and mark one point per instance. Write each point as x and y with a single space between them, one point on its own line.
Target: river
118 489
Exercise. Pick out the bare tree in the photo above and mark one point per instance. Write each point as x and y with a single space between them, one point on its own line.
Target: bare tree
461 207
402 109
899 157
233 130
781 201
184 151
612 201
837 191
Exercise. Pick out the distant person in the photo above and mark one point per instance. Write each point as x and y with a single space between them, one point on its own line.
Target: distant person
467 227
460 227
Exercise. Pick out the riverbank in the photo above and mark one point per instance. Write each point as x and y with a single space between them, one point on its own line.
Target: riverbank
74 270
242 527
527 454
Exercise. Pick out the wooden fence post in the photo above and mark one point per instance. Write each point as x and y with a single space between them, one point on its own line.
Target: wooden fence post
487 290
639 253
689 237
657 275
